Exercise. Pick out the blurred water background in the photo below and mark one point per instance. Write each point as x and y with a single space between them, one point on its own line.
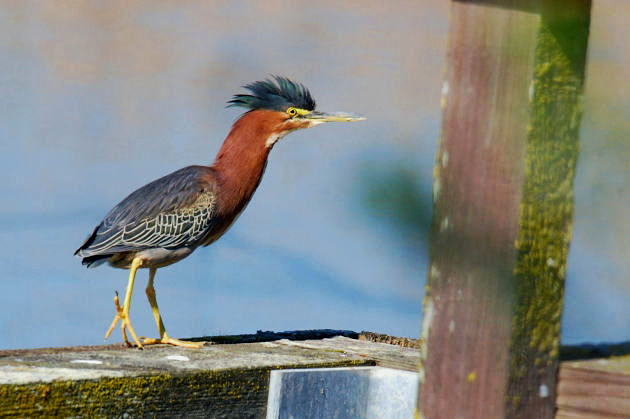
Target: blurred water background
98 98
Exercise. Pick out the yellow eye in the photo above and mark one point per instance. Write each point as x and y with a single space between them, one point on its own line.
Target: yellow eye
292 112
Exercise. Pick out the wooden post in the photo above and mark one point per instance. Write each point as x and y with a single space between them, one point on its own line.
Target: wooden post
503 205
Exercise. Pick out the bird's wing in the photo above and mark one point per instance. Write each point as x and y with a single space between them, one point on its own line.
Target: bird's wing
175 210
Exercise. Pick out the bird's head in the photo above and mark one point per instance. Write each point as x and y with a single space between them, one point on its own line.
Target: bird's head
285 106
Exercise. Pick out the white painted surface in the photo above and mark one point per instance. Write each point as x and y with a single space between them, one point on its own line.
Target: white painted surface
86 361
354 392
543 391
178 358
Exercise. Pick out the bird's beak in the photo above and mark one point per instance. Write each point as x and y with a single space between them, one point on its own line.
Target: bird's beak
320 117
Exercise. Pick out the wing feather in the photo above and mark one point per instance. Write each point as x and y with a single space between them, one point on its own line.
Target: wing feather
175 210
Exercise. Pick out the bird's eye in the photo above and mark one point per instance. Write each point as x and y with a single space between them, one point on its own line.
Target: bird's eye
292 111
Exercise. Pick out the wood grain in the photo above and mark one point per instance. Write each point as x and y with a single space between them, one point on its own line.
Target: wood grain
503 207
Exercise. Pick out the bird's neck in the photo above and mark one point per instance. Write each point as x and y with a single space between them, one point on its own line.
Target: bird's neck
242 158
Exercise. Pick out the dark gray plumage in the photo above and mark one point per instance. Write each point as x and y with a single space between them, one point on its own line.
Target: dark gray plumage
171 212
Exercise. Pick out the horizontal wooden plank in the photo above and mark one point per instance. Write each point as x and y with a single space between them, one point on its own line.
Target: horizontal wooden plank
594 389
224 380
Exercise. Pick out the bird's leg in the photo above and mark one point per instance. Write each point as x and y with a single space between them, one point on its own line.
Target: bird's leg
150 291
164 337
122 314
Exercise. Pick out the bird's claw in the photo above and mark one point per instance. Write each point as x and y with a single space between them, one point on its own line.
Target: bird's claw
123 316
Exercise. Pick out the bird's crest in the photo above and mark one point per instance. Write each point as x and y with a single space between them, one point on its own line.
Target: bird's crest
277 94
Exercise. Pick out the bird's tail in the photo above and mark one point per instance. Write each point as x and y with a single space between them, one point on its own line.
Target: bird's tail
91 261
94 261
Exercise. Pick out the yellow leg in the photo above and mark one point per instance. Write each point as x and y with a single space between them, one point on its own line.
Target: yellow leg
153 302
122 314
164 337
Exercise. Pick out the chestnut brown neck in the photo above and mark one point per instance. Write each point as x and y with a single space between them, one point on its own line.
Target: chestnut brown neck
242 158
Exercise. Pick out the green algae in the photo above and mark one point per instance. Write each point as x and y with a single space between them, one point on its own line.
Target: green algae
546 209
198 393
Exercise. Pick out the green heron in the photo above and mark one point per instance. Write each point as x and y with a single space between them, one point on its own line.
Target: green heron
166 220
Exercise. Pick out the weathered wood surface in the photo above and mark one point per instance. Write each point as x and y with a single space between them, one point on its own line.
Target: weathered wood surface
221 380
392 340
594 389
503 206
231 380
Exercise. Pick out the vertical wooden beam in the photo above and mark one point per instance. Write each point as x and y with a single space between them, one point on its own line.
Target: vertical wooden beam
503 206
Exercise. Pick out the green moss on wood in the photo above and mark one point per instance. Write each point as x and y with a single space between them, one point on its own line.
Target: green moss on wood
547 206
205 393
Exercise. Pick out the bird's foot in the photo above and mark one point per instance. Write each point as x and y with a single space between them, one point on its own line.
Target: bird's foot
167 340
122 315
